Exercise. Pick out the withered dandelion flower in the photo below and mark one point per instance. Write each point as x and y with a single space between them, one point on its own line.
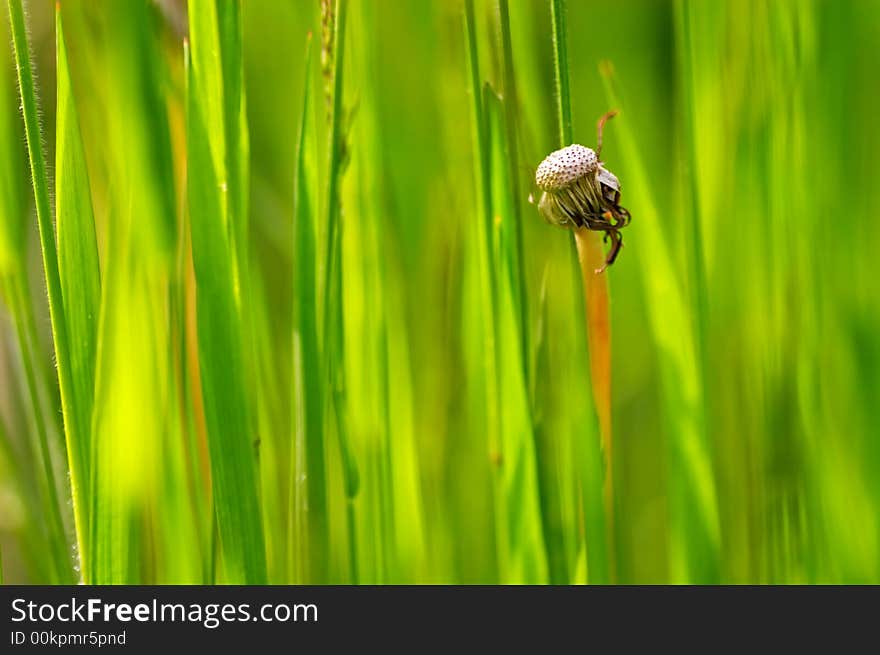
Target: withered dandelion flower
578 191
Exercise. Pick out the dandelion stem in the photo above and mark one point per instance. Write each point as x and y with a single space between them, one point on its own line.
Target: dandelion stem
591 257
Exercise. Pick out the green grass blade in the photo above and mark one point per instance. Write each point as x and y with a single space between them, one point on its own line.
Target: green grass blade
333 330
207 70
237 143
260 350
520 488
694 511
221 336
308 484
560 66
593 475
389 521
136 443
15 285
511 142
480 295
79 270
30 110
16 290
12 167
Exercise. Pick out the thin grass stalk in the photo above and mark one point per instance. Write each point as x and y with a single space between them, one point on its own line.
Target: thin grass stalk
235 132
560 67
686 73
695 226
695 527
511 111
696 258
595 285
224 392
482 137
78 262
333 327
307 477
487 279
546 462
350 472
30 110
379 351
187 359
16 291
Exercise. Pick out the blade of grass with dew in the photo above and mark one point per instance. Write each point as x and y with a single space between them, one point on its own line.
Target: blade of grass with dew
308 505
221 338
597 519
695 530
78 266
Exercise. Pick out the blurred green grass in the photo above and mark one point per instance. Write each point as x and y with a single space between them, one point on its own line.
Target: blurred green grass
406 398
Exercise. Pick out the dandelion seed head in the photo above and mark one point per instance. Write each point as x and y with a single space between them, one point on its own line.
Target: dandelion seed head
563 167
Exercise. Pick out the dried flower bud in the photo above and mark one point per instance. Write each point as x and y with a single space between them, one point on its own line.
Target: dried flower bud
579 191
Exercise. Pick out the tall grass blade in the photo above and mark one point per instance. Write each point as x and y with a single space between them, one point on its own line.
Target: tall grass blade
560 66
12 167
78 267
16 289
335 403
524 533
221 336
390 511
480 293
511 142
308 538
74 431
694 511
597 519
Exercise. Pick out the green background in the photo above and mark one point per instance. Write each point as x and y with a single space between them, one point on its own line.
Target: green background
449 368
